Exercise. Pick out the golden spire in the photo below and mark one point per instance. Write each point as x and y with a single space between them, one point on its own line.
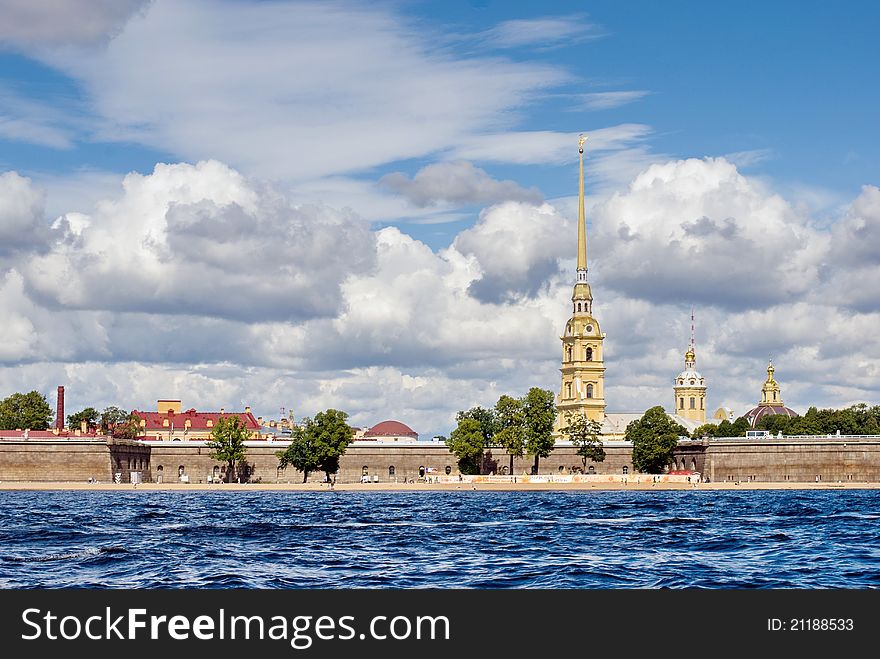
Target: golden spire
582 226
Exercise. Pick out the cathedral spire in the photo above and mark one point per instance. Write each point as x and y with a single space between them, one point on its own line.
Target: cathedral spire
582 223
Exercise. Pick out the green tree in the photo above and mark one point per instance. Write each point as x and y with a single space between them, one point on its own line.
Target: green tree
227 442
585 434
486 419
25 411
775 423
654 438
539 413
89 415
300 453
510 427
318 443
706 430
111 417
466 443
130 429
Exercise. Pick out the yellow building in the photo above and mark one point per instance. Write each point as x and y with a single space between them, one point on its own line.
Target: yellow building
690 387
583 366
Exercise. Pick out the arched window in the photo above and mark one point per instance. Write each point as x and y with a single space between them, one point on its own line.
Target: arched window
693 403
774 395
391 470
568 353
681 403
591 469
701 403
568 389
589 354
579 306
589 391
448 470
693 464
365 470
625 469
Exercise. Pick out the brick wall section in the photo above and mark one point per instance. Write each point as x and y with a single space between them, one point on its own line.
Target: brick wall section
71 460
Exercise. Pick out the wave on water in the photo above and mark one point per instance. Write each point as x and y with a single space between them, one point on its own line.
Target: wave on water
80 554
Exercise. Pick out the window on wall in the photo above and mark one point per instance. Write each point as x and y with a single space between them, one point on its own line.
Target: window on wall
589 391
681 403
568 389
365 470
701 403
568 353
589 354
625 469
591 469
774 395
693 403
391 471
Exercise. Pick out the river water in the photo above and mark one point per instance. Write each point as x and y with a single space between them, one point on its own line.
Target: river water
470 539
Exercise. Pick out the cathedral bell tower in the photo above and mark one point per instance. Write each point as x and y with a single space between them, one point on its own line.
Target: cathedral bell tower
689 386
583 365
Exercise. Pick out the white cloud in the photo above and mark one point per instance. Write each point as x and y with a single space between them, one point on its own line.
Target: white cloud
457 182
203 240
22 225
34 23
609 100
545 32
301 102
699 231
546 147
415 334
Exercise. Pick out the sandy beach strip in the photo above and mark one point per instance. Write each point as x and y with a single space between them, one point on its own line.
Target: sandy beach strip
427 487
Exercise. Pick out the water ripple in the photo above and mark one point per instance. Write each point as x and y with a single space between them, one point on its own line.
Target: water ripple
760 539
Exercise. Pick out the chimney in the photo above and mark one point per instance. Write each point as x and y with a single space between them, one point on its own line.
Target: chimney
59 410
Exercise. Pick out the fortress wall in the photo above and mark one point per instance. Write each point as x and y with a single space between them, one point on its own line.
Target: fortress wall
792 460
61 460
765 460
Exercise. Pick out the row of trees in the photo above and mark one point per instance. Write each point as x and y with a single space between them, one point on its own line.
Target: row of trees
520 426
859 419
32 411
315 445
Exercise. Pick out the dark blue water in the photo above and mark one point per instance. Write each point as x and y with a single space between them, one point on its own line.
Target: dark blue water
682 539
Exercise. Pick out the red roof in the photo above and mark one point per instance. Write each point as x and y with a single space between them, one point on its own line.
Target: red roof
46 434
391 429
197 420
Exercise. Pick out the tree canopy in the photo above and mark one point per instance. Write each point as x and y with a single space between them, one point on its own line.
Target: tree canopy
654 438
25 411
585 435
318 444
227 442
510 425
112 417
130 429
486 419
466 442
539 412
89 415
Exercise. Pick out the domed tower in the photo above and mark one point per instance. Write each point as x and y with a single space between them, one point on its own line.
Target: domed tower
771 400
689 386
583 365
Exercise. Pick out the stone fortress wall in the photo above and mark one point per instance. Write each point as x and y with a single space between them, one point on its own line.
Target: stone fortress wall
833 459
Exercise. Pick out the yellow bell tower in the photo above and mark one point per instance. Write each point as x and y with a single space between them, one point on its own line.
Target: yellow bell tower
689 386
583 365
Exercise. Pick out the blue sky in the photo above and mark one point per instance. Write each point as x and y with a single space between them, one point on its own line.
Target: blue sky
421 136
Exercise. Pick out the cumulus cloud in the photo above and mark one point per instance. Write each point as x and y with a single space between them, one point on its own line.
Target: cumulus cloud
417 334
23 227
202 240
456 182
35 23
517 247
699 230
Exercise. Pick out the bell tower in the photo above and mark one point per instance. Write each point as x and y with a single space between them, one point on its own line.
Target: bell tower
690 386
583 361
